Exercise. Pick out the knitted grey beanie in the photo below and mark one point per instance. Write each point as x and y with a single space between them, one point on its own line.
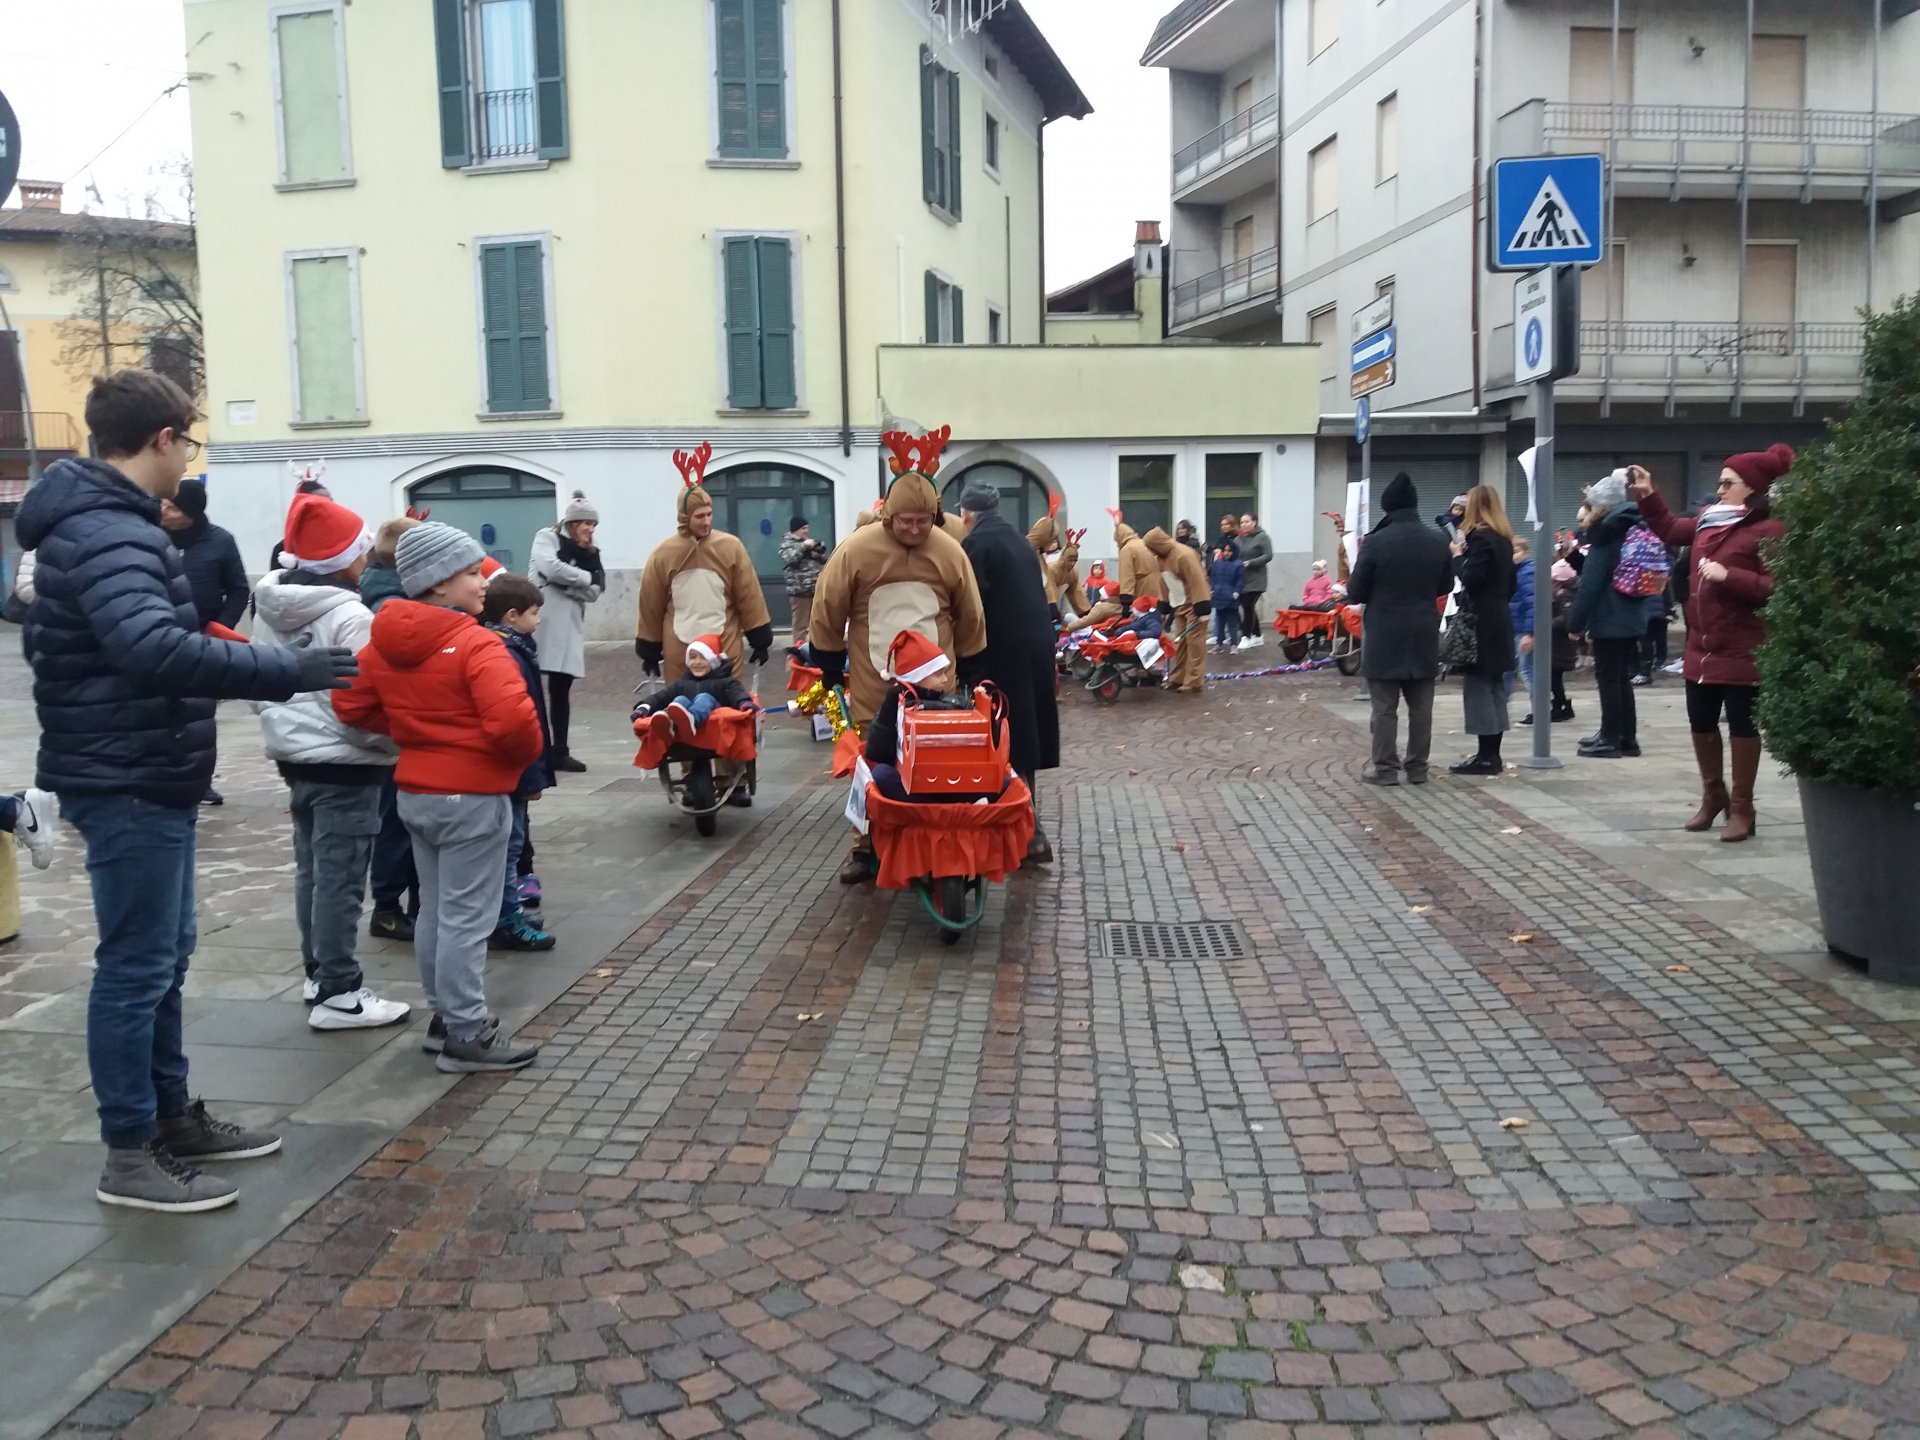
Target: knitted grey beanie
578 509
431 553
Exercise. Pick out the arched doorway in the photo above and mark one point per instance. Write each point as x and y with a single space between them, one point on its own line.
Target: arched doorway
1023 495
758 503
499 507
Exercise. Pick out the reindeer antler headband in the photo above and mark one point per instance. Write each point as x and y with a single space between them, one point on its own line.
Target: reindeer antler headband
692 465
916 454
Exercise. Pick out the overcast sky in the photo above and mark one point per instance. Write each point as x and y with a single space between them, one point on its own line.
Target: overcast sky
86 78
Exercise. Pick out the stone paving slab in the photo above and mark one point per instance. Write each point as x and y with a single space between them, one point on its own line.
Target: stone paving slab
789 1167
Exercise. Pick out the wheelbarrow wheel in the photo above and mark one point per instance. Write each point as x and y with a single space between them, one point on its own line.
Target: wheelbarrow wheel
1346 654
700 798
1296 648
950 895
1106 685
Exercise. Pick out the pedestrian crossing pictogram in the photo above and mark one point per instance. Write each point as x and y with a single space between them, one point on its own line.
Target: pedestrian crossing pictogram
1549 224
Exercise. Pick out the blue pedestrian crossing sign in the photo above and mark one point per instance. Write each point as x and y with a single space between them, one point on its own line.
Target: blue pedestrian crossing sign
1547 210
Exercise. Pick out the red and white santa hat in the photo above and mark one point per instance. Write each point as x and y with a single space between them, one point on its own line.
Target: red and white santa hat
323 537
707 647
913 658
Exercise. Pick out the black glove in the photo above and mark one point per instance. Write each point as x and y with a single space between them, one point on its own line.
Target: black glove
1166 612
972 670
832 665
652 655
1125 602
330 668
759 643
1202 607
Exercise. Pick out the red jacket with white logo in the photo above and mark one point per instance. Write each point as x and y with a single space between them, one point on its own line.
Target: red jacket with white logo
445 688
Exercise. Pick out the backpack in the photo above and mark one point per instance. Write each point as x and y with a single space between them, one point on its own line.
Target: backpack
1644 564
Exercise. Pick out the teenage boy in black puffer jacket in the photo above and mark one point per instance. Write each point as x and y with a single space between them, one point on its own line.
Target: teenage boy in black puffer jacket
125 685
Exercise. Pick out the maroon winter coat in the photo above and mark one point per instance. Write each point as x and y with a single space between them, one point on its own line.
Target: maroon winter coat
1724 624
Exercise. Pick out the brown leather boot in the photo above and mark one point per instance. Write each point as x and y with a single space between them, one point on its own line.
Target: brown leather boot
1710 755
1746 769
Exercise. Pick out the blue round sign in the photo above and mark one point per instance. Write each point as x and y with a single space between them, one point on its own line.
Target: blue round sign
766 527
1363 419
1536 342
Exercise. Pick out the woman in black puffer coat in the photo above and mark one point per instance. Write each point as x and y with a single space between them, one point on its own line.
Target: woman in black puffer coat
1484 563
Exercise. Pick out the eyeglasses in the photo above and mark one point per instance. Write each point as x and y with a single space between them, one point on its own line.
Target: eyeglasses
192 446
1724 485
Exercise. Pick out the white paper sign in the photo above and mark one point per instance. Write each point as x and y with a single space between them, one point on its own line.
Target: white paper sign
1528 459
857 795
1359 518
822 727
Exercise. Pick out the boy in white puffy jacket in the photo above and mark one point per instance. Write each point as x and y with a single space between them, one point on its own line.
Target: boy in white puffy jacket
333 770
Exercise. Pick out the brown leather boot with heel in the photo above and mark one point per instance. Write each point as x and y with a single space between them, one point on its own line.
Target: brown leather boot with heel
1741 823
1711 758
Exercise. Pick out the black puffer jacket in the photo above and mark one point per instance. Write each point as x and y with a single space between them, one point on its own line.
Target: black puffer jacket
216 573
123 680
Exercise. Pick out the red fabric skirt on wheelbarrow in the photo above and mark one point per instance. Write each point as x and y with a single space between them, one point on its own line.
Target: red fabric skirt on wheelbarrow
914 840
728 733
800 678
1302 624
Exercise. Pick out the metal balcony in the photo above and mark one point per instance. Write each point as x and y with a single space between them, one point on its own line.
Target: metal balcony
506 127
1219 165
54 432
1225 290
1700 151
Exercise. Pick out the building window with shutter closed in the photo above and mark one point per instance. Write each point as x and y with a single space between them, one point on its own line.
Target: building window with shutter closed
323 338
762 325
939 135
750 79
502 71
310 118
516 335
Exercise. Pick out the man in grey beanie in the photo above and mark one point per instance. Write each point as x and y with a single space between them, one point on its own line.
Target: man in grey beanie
1020 638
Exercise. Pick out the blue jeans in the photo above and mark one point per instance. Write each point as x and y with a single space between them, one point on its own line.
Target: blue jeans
9 813
1226 625
516 841
700 707
140 864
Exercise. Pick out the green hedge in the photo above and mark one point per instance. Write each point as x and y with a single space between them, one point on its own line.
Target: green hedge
1840 698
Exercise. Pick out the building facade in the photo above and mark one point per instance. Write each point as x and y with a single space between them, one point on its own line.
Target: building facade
474 255
1764 165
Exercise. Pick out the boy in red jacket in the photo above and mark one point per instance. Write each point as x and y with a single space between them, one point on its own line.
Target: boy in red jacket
445 688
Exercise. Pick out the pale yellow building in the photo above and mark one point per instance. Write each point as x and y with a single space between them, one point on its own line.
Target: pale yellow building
478 254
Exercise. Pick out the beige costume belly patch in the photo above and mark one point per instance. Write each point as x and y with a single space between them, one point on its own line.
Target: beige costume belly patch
699 604
901 605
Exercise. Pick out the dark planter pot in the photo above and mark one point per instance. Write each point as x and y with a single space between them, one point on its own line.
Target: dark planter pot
1863 844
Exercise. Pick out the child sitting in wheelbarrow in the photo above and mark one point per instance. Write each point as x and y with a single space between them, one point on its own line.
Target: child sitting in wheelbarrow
678 713
914 663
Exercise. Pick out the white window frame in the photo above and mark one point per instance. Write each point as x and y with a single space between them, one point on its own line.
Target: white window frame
1329 145
1259 453
1314 13
1175 481
993 135
274 16
479 243
1332 355
721 378
997 322
1381 175
287 261
717 161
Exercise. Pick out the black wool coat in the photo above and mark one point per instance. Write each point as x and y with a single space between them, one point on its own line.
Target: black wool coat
123 680
1020 640
1405 566
1486 574
216 573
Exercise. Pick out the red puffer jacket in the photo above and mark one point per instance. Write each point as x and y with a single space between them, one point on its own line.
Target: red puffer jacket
445 688
1724 623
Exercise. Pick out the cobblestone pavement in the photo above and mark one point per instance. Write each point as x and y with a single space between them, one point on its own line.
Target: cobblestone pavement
1454 1128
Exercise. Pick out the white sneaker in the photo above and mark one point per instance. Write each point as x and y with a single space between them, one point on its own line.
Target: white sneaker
310 991
1254 642
356 1010
33 832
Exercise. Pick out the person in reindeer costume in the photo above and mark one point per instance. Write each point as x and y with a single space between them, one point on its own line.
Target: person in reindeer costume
1191 594
1139 566
700 581
904 572
1058 549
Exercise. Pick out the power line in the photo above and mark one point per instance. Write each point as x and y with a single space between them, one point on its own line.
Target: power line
179 84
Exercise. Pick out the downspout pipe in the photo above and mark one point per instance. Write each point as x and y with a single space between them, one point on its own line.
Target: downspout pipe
1279 165
1474 250
840 234
1040 137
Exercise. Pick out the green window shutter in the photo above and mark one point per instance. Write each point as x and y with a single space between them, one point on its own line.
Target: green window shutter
769 81
550 78
778 365
929 142
311 133
456 105
959 303
530 325
734 79
740 261
323 344
933 308
953 143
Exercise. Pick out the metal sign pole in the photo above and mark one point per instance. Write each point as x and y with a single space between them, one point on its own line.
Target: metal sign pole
1543 757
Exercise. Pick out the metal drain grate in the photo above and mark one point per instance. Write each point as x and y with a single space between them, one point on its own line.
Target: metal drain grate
1154 940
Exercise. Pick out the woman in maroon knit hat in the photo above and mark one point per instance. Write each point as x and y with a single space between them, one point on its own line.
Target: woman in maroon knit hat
1731 583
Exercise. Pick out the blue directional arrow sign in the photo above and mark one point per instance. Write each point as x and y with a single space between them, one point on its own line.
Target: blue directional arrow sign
1372 350
1547 210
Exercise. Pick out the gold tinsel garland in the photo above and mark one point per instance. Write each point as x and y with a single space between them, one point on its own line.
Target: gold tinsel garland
817 698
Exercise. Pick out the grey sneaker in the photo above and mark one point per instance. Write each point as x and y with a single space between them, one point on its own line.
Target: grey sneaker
151 1178
196 1135
490 1050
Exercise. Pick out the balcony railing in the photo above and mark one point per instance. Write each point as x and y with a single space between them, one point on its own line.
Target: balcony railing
1224 144
1676 356
1231 285
506 125
1675 138
53 430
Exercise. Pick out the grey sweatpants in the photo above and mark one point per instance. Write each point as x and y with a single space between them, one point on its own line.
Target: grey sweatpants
333 831
459 848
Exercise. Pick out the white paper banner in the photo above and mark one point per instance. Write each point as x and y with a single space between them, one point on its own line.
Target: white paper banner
857 795
1528 459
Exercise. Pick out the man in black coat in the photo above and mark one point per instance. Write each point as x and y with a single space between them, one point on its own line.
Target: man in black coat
1020 640
1404 569
209 556
125 683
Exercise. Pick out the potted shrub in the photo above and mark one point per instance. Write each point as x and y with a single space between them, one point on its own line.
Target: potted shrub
1840 691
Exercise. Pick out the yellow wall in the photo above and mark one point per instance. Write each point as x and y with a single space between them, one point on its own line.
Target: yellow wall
634 213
